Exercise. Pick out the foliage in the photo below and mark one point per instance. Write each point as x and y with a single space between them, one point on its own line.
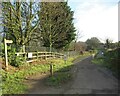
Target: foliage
19 21
118 44
110 45
2 50
78 46
13 59
58 79
98 61
56 23
110 60
107 43
92 43
62 71
12 81
11 84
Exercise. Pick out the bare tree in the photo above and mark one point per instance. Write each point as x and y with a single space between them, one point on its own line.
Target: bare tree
78 36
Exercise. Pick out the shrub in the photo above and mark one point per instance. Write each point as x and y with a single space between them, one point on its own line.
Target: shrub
112 59
15 60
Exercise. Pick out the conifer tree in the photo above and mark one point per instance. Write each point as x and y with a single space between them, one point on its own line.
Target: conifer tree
56 23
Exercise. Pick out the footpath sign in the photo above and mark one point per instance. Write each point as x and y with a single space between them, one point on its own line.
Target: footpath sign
6 57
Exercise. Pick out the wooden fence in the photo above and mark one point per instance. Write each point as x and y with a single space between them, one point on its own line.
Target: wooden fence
33 56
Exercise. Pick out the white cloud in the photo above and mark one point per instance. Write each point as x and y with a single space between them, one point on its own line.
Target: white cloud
97 20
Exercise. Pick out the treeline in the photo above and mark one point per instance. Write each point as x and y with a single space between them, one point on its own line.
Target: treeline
93 44
48 24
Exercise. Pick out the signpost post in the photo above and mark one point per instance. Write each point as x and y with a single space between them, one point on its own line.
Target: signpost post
6 58
65 59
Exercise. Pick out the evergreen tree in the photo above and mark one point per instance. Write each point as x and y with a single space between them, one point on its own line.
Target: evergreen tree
56 23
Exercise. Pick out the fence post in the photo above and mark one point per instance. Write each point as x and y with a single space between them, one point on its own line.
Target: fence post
45 56
37 55
51 70
65 59
54 54
25 56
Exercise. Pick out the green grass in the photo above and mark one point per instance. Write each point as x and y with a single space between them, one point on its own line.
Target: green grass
12 82
62 72
110 60
58 79
98 61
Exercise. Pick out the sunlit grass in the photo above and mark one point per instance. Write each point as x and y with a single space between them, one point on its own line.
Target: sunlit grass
12 82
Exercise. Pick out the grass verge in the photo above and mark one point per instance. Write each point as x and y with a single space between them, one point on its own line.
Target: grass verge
12 81
62 71
110 61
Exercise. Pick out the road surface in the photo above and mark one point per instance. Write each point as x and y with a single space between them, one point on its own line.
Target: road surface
88 78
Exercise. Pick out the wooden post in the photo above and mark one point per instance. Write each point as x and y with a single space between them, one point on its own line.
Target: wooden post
6 58
25 56
45 55
65 59
37 55
51 69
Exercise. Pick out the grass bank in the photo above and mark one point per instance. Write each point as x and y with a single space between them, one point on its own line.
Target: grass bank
110 60
12 81
62 71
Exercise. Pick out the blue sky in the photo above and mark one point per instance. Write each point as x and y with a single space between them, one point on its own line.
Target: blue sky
96 18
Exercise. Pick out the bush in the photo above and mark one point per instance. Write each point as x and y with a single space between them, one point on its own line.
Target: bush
15 60
2 51
112 59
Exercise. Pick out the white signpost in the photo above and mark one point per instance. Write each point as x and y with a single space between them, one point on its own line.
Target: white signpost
6 58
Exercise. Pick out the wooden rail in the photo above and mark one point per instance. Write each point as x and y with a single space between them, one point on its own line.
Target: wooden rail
33 56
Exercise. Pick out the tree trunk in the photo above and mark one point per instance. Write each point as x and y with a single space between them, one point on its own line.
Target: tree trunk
50 47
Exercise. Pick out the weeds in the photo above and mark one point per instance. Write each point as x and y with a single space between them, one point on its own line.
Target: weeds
12 82
58 79
110 60
62 71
